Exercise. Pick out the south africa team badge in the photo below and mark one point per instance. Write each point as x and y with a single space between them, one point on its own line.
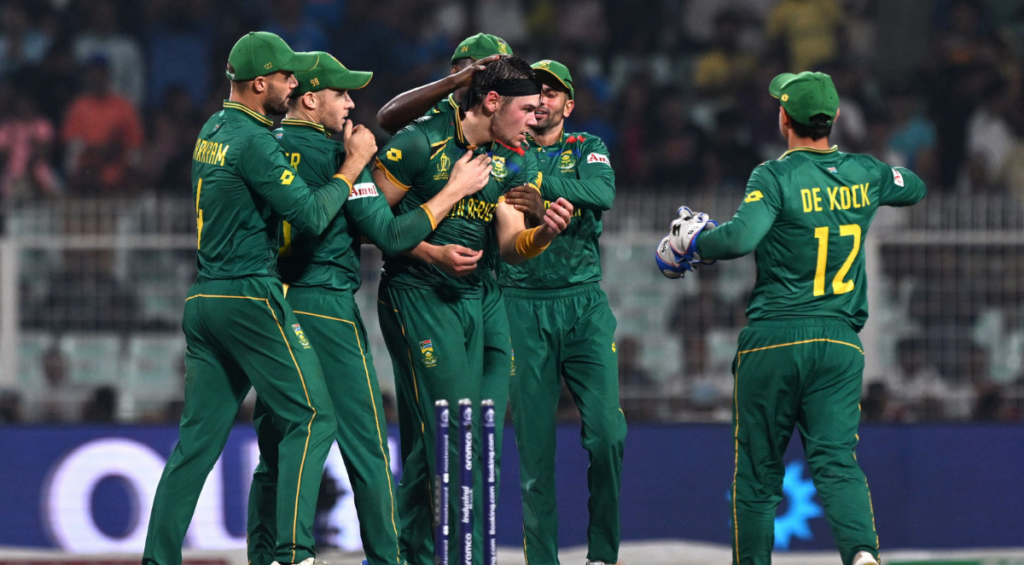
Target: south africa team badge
301 335
498 169
427 349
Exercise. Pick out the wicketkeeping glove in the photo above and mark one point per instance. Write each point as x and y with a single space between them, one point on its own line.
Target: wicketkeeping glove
683 234
668 262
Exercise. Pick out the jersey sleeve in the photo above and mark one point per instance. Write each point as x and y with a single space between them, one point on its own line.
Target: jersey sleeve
369 212
523 169
595 186
900 186
755 216
265 169
404 156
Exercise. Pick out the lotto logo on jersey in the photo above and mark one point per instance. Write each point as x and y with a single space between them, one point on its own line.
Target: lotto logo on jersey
598 158
363 190
301 335
897 177
427 349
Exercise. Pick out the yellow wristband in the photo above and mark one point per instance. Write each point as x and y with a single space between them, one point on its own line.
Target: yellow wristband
433 222
526 247
342 177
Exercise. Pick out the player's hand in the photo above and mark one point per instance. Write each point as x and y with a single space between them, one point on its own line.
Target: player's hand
360 145
470 174
527 200
669 263
465 76
682 235
557 218
456 260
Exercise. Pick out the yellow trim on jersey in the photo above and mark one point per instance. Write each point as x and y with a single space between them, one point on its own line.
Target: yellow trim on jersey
348 182
376 416
433 222
452 102
303 123
391 177
458 128
832 149
241 107
309 426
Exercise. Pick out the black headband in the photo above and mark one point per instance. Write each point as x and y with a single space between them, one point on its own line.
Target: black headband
510 87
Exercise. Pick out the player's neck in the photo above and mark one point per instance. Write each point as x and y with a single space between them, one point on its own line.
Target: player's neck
249 100
549 136
794 142
300 113
476 128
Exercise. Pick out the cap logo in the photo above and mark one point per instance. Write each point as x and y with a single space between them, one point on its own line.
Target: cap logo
268 65
503 48
465 48
543 65
314 81
785 97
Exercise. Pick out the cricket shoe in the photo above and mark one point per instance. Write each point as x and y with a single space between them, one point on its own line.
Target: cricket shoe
864 558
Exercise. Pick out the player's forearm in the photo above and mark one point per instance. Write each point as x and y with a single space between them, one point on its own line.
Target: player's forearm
595 193
411 104
400 233
735 238
315 213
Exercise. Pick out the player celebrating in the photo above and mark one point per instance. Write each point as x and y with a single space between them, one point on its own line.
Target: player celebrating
799 360
322 272
472 55
561 325
432 320
239 329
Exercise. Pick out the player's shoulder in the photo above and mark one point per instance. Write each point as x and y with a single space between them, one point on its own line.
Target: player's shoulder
591 146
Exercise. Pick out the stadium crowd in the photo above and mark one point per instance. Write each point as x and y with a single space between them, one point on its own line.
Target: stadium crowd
105 97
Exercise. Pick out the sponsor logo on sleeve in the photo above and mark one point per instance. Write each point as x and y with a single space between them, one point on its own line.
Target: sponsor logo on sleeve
363 190
897 177
598 158
754 196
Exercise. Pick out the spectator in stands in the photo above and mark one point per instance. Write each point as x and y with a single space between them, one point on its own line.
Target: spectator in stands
677 145
990 140
636 128
60 394
103 38
102 407
724 69
289 20
912 135
167 160
178 39
808 32
22 44
58 67
103 136
877 405
26 144
85 295
730 157
10 407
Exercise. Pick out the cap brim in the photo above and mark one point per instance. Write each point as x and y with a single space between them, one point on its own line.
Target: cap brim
558 78
354 80
775 88
301 62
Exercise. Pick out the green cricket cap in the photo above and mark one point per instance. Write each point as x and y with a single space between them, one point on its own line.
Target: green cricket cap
481 45
330 73
806 94
260 53
557 70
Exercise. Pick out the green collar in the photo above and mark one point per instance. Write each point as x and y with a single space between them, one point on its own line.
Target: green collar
452 102
561 140
305 124
258 117
832 149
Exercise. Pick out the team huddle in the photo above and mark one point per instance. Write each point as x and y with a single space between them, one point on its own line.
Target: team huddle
488 215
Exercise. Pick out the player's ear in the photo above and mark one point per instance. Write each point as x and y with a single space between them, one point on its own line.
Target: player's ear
569 105
259 85
492 101
309 100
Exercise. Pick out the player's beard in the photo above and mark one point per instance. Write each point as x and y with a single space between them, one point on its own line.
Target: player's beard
277 99
552 120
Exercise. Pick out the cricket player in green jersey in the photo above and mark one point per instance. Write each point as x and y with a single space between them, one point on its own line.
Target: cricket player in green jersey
431 318
799 361
322 274
470 57
562 326
240 331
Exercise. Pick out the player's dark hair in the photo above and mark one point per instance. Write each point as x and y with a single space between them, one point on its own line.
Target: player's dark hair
550 81
818 128
501 72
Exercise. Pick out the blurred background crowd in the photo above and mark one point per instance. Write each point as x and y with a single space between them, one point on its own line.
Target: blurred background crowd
102 100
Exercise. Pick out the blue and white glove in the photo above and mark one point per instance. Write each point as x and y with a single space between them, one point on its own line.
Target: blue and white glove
669 263
683 234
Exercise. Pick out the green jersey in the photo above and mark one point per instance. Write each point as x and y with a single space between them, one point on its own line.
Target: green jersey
807 214
419 159
331 259
576 168
243 187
